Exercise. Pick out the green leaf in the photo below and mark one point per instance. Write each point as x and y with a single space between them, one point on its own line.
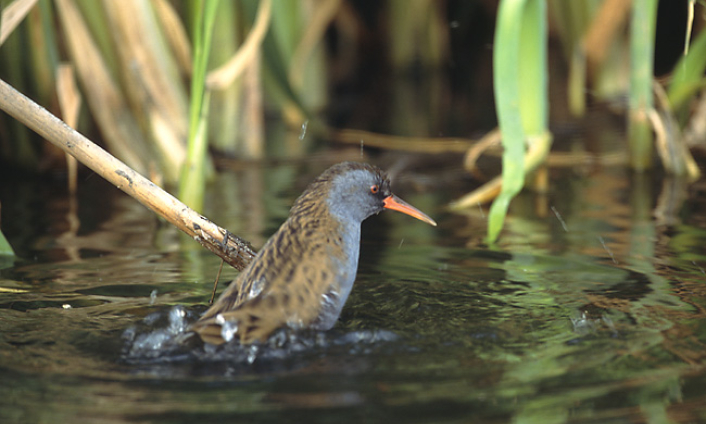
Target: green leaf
520 87
5 248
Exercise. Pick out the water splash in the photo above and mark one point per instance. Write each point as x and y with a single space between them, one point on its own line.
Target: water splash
585 325
177 320
158 335
252 354
162 338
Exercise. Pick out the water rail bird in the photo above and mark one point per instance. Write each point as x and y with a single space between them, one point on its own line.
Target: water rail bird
304 273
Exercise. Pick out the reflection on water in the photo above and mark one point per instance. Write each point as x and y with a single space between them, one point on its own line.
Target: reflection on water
597 317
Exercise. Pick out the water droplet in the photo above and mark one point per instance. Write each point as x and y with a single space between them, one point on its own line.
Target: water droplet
177 323
153 296
480 208
558 216
303 132
228 329
256 288
295 323
607 249
252 354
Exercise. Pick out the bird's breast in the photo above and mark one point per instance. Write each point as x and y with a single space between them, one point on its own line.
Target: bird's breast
345 266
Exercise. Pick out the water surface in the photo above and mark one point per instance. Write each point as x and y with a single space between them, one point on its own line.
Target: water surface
590 309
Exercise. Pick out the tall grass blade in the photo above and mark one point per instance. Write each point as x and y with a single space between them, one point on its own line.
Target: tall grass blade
520 87
103 95
237 83
278 49
193 180
5 248
688 78
642 43
226 101
151 81
12 14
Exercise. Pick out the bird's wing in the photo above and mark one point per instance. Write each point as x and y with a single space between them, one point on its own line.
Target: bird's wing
256 277
285 285
282 304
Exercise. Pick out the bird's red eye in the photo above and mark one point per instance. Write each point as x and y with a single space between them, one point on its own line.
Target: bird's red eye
374 188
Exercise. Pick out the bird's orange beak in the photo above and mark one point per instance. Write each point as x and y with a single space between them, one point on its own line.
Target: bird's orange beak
396 204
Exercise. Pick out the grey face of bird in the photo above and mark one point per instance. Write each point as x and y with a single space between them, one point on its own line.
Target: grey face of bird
357 194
